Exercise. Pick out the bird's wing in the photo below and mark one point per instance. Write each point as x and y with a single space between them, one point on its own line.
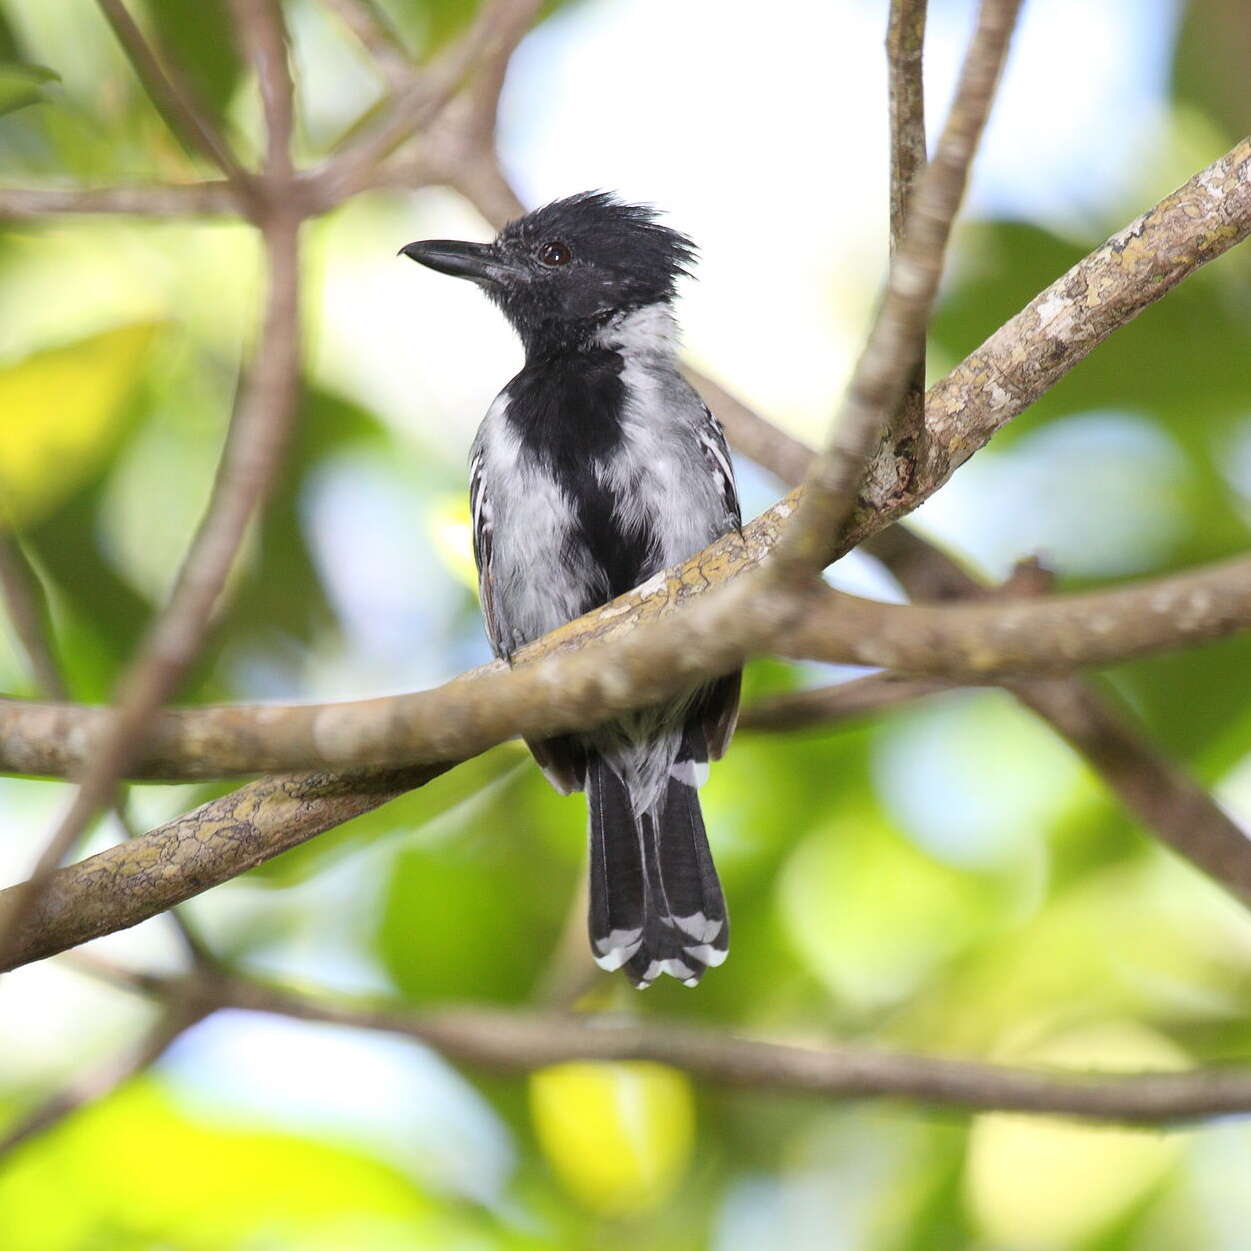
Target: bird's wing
483 531
717 455
716 709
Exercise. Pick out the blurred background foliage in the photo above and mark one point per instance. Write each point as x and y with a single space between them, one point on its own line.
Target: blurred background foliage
946 877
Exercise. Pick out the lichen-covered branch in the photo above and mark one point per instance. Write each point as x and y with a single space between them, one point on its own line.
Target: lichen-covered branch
1032 351
124 885
1007 638
634 652
219 840
905 48
897 340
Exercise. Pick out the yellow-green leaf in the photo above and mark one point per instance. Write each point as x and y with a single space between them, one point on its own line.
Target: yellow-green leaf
618 1136
137 1173
62 413
21 85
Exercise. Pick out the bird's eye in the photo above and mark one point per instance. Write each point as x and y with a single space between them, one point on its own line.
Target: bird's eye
555 253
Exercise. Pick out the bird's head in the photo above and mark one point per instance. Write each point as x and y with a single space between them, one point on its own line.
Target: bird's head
563 270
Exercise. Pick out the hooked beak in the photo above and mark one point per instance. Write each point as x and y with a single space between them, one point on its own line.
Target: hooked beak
476 261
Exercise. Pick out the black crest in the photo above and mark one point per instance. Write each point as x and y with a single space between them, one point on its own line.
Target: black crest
566 268
584 258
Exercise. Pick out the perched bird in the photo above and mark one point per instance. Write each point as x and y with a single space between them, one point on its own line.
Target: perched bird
596 467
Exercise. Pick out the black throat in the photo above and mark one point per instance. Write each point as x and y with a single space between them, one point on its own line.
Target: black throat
567 406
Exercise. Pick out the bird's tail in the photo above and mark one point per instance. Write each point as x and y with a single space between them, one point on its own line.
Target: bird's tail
656 904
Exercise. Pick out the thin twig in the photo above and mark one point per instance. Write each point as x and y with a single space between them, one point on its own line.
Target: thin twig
495 31
481 180
826 707
898 335
905 47
96 1084
783 455
508 1042
27 606
263 40
254 447
173 98
376 36
194 199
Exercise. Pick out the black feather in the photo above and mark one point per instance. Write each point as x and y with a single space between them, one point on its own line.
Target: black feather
617 895
685 927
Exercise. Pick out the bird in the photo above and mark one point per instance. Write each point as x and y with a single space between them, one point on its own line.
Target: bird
595 468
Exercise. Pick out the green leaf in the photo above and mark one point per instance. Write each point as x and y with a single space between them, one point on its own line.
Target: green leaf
429 24
410 814
873 917
9 49
63 413
21 85
1211 59
283 594
97 613
476 914
1194 703
198 37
